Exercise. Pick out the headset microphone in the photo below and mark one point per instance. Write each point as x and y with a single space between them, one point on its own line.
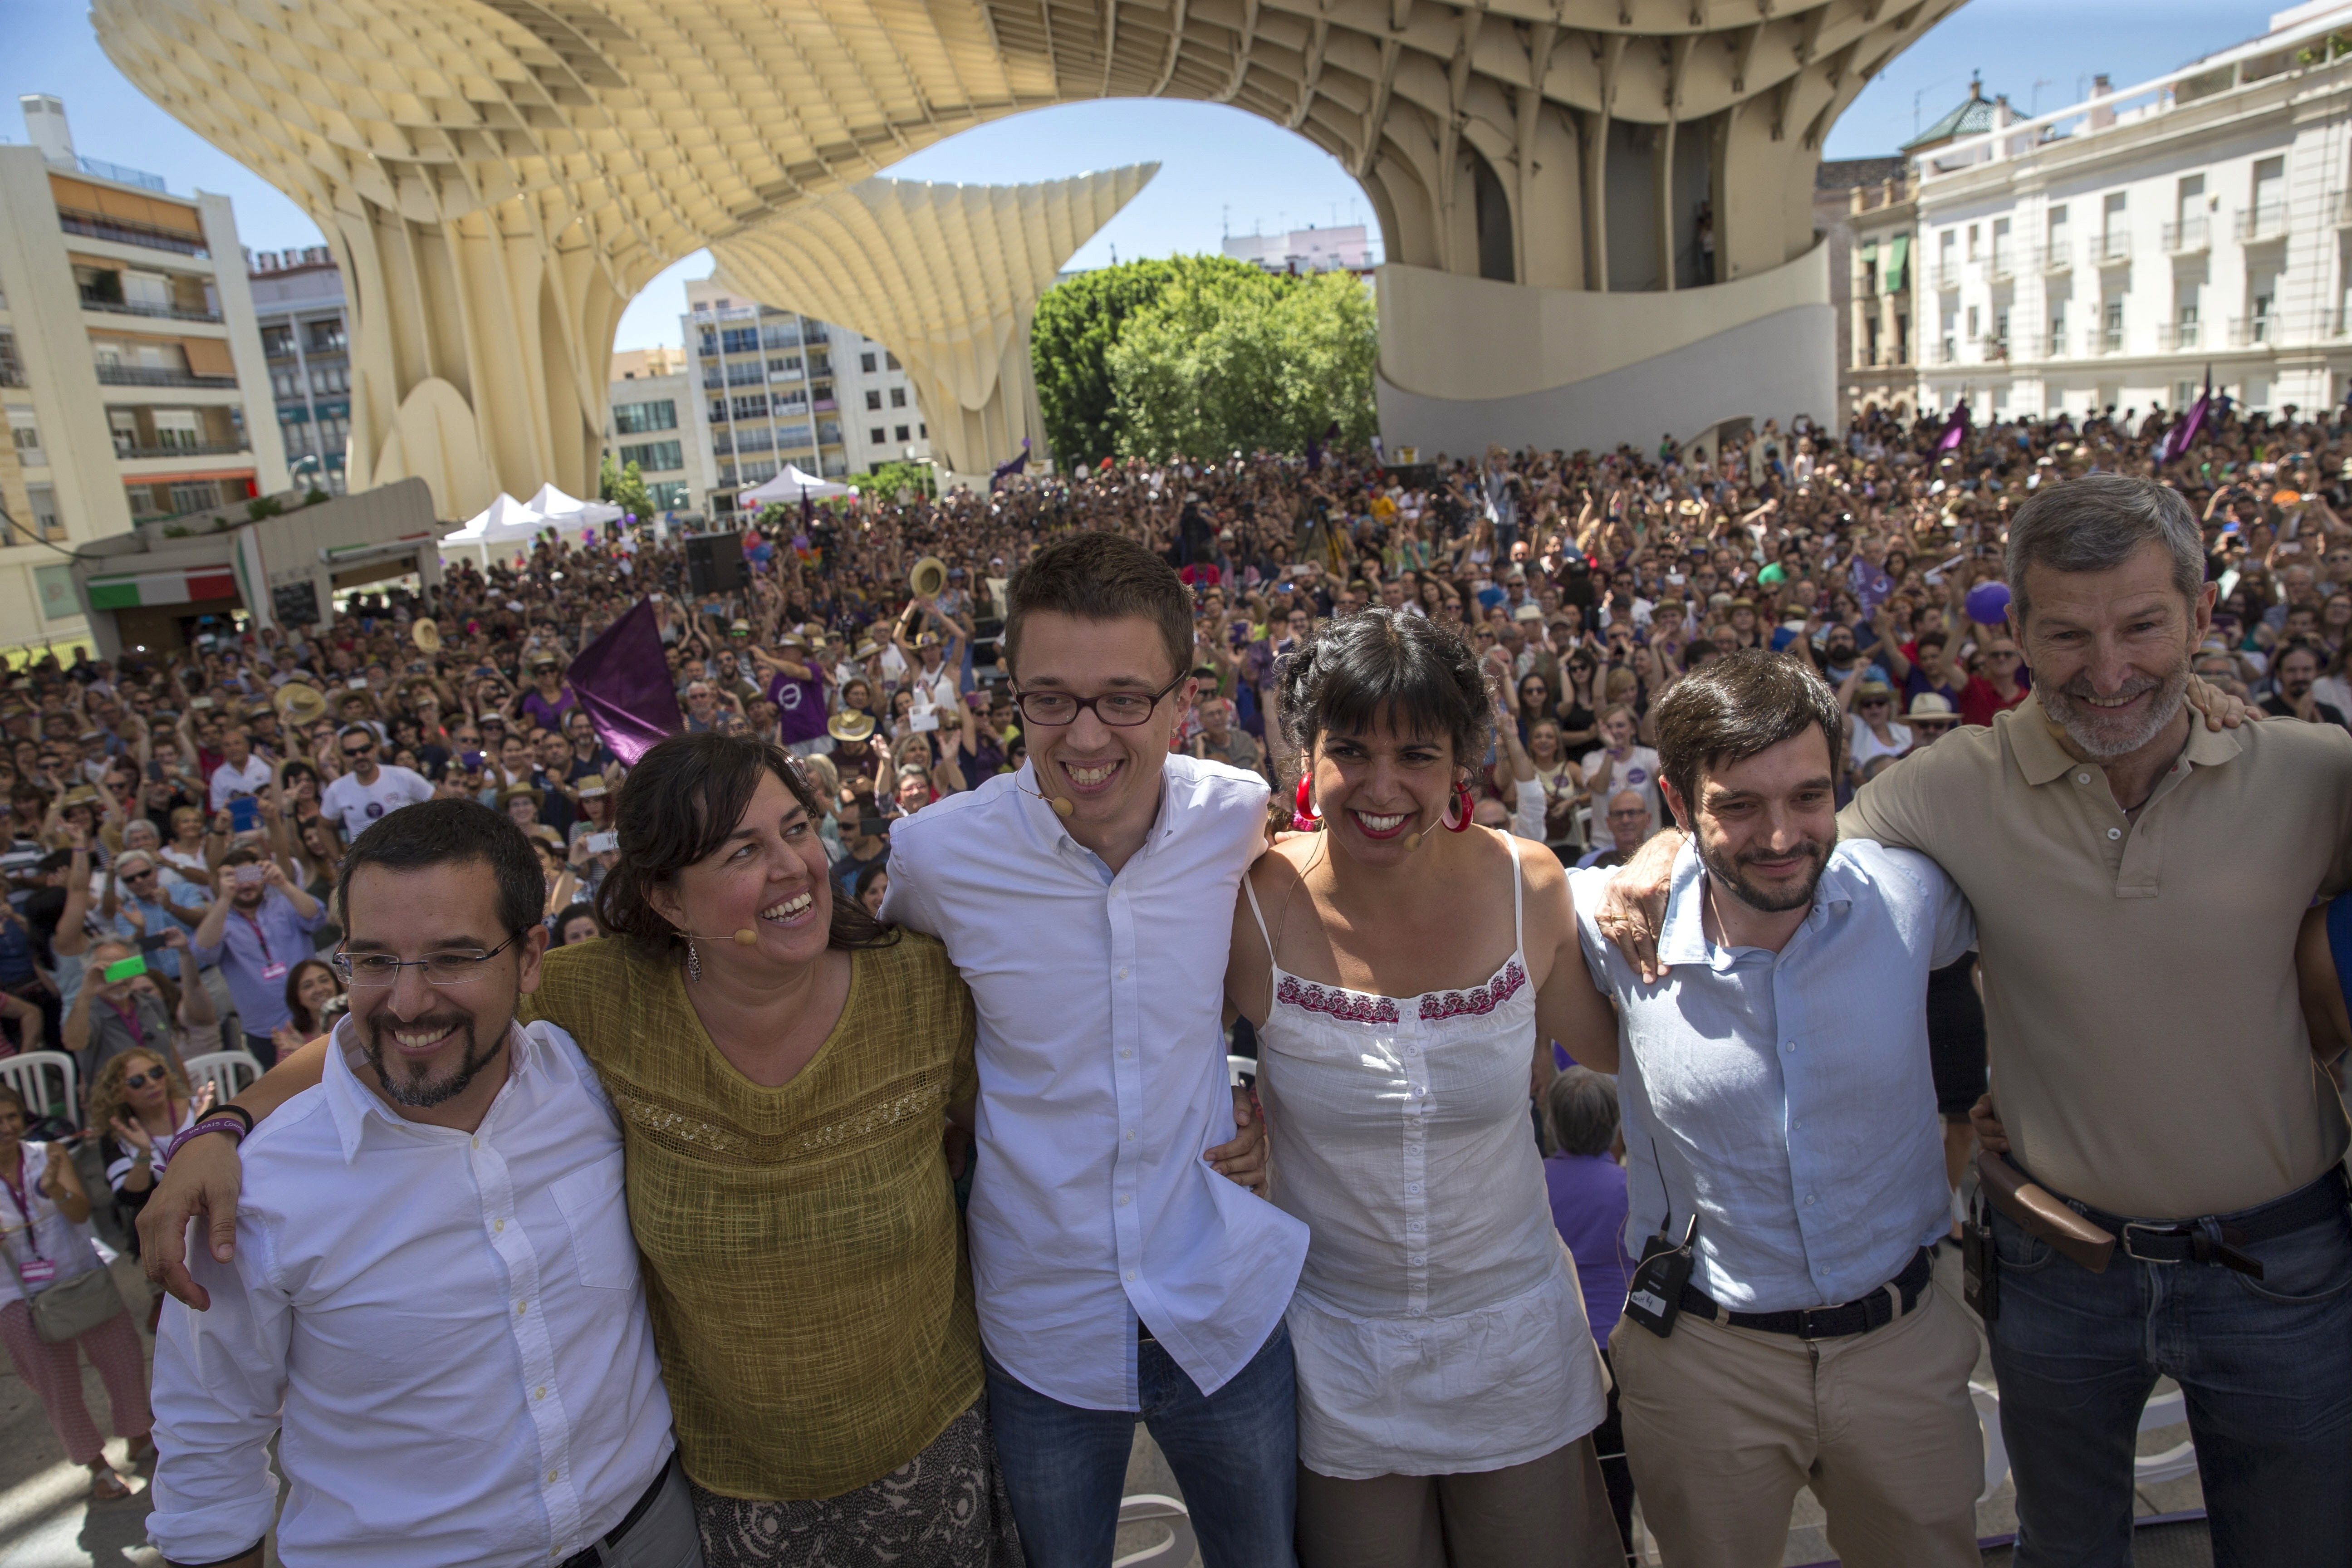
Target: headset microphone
747 937
1065 809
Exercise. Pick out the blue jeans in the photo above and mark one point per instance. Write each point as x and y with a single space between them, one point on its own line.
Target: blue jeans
2265 1367
1234 1454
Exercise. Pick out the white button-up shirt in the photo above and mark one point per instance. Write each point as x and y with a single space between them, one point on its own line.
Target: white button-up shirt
1102 1080
451 1322
1787 1096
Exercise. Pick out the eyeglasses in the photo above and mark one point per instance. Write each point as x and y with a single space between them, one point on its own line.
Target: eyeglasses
374 971
1119 710
357 751
141 1079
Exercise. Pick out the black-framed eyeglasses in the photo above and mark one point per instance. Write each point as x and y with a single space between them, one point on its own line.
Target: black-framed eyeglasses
1119 710
372 971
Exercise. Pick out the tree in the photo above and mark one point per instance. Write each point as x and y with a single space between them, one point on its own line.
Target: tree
1233 358
1070 341
625 487
890 479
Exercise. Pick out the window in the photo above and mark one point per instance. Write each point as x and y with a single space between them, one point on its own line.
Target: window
752 407
637 418
669 495
865 363
873 398
740 340
922 432
276 341
897 398
787 364
746 372
195 496
890 360
45 520
28 444
877 436
780 336
12 369
718 411
902 432
326 337
656 457
1972 242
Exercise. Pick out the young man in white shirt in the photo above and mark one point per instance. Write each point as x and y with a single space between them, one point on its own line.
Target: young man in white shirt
367 790
243 770
1087 901
433 1301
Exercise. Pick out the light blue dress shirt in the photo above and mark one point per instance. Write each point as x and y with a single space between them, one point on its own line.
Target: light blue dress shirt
1787 1096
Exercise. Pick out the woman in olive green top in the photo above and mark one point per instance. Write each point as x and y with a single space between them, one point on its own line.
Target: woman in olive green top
784 1069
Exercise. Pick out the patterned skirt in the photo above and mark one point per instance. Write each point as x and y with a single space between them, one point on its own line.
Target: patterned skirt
945 1508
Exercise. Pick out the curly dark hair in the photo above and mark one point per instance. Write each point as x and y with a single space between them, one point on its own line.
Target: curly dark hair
1387 665
677 806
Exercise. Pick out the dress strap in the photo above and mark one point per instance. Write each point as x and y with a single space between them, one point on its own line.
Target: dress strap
1271 966
1519 900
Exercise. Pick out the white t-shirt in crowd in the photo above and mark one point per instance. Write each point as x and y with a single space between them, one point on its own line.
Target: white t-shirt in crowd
1639 771
229 781
356 806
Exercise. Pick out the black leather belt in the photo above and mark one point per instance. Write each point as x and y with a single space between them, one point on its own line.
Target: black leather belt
2216 1238
1875 1311
587 1556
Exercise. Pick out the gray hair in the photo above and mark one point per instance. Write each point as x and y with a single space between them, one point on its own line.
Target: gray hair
1582 1107
2097 522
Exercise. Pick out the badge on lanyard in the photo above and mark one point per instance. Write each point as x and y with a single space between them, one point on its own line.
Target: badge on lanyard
273 971
37 1272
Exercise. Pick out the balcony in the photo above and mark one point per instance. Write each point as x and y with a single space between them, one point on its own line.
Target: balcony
2252 331
2053 343
2188 237
1947 352
2112 249
1993 351
123 231
2107 341
1947 275
2056 256
131 308
824 406
2003 265
2174 336
126 451
2265 221
140 375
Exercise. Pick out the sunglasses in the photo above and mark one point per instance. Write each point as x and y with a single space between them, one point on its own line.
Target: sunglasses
357 750
141 1079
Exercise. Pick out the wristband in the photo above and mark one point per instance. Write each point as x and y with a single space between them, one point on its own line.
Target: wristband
233 1109
209 1124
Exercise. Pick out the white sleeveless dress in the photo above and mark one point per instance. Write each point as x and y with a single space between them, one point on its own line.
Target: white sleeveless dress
1438 1326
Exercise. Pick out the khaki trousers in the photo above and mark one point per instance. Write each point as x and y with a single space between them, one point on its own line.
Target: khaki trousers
1549 1512
1723 1424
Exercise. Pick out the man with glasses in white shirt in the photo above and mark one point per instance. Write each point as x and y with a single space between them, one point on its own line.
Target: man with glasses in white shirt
1087 901
434 1303
368 790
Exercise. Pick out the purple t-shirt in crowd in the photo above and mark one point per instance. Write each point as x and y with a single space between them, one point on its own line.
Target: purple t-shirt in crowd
1587 1205
800 706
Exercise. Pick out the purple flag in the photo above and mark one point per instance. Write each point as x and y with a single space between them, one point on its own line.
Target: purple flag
1006 470
1956 428
2178 440
622 680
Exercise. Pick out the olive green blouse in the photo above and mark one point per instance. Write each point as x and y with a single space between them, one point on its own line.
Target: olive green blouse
803 1258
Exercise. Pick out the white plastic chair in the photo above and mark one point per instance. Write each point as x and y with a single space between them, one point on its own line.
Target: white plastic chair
227 1071
31 1073
1145 1507
2161 1411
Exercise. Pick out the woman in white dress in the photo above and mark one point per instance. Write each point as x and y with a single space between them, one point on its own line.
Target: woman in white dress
1401 977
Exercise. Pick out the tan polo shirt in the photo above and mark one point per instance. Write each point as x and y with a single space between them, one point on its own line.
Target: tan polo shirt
2146 1042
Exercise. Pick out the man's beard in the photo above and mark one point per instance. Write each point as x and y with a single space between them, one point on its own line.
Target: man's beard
412 1087
2101 735
1729 875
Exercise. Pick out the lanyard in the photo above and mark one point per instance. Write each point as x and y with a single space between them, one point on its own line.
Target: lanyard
257 934
15 1185
130 1017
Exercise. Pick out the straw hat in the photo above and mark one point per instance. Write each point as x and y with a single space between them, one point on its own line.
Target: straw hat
1934 707
300 703
851 727
425 633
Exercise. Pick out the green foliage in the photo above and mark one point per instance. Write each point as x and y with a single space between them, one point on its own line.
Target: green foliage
314 496
624 488
1070 349
894 476
1236 359
263 506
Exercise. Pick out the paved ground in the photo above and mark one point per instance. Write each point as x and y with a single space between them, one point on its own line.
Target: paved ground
47 1521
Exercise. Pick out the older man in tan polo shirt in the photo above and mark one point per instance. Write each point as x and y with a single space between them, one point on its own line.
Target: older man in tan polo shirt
2137 880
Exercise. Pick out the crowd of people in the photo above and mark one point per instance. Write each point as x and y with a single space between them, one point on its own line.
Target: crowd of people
831 1109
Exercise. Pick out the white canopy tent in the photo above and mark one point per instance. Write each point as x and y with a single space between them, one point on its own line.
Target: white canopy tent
569 512
505 522
787 487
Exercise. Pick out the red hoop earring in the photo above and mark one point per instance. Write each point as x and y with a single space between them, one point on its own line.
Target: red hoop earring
1305 818
1462 799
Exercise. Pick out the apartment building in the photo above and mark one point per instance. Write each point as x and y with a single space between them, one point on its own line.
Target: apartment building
2108 253
130 366
1862 206
651 424
777 387
297 297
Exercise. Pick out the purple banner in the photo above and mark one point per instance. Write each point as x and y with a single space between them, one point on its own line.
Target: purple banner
1956 428
1006 470
2178 440
622 680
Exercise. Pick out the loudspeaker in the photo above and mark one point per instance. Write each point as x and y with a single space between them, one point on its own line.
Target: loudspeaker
714 562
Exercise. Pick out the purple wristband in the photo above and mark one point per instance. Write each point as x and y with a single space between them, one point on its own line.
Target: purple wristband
210 1124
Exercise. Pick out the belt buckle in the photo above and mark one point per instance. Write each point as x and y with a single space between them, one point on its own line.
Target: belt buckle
2169 1232
1805 1328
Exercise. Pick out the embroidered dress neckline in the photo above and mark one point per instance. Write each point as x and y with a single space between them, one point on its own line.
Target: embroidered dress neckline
1430 1006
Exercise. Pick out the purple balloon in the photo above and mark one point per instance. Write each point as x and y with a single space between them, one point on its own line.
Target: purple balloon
1989 603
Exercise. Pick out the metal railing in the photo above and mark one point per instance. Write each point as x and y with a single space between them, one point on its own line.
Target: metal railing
132 308
2112 247
117 173
2250 332
2058 257
123 231
1947 352
127 450
2188 237
1947 275
2173 335
141 375
2107 341
2267 220
2002 264
2053 344
1994 351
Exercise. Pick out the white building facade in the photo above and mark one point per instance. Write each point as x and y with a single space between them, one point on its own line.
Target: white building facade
2107 255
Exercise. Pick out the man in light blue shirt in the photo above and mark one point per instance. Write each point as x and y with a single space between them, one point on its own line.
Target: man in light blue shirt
162 908
1775 1084
256 928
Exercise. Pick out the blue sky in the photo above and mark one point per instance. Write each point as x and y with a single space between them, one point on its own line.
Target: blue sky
1220 170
